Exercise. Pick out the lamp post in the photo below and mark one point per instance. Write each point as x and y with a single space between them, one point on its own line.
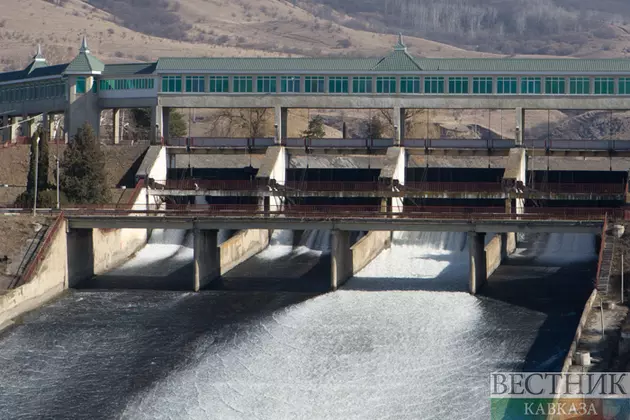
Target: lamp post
36 175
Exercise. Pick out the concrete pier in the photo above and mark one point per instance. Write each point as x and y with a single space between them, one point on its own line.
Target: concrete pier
341 259
478 274
207 258
80 247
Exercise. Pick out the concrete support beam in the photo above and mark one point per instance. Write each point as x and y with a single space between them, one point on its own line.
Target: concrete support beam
116 125
166 124
393 173
16 128
6 129
297 237
514 178
399 125
478 274
520 126
273 171
207 258
280 125
45 127
26 126
341 259
157 125
80 247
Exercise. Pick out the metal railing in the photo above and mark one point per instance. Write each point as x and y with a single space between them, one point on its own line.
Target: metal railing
352 211
601 251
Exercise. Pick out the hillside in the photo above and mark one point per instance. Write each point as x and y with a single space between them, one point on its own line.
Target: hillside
201 28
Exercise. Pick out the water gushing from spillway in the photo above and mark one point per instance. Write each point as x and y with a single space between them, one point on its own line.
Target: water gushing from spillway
370 350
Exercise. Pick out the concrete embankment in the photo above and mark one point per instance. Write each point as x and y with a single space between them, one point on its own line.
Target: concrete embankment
48 277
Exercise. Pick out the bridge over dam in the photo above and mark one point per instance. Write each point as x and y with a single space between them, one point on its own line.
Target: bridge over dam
206 223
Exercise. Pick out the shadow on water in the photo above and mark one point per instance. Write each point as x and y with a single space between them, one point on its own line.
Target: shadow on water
150 336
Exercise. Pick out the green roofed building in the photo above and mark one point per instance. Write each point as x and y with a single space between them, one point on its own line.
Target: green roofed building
84 87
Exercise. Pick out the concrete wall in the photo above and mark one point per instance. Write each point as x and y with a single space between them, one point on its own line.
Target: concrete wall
568 361
368 248
241 247
50 279
499 247
112 247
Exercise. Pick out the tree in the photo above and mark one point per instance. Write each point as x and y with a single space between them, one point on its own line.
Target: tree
315 128
372 128
177 126
43 158
83 178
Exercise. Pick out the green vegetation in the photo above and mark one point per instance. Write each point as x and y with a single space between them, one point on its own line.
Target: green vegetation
315 128
177 125
372 128
82 176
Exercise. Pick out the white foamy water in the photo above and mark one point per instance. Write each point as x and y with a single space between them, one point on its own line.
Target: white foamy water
167 251
372 350
567 248
315 240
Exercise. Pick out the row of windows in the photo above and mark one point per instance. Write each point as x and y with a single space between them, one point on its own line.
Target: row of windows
411 84
126 84
29 93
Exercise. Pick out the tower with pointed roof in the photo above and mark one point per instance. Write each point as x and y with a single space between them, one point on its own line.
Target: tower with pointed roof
81 75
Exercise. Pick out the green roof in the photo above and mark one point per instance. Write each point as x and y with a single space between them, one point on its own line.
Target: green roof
85 63
129 69
397 61
265 64
32 72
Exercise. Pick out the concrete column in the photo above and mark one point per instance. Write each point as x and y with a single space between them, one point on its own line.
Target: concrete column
45 127
6 130
207 258
116 125
166 124
80 256
478 274
297 237
281 120
16 129
520 126
341 258
26 126
399 123
514 177
155 135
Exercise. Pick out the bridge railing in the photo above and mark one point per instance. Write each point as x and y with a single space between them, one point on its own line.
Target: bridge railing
354 211
602 245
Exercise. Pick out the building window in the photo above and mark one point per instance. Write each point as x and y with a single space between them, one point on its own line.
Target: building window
555 85
338 84
604 86
171 83
506 85
409 85
81 85
624 85
195 84
243 84
314 84
433 84
266 84
579 86
219 84
290 84
531 85
385 85
458 85
482 85
362 84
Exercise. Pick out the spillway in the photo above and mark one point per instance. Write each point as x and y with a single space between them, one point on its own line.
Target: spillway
401 340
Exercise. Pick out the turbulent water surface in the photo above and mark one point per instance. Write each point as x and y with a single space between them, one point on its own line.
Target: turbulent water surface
401 340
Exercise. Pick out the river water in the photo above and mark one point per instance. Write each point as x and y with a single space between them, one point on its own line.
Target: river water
401 340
